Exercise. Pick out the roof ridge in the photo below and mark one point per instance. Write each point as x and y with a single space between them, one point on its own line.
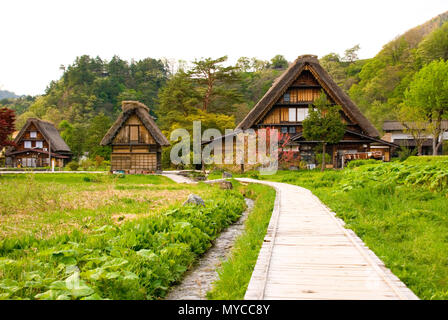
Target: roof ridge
135 107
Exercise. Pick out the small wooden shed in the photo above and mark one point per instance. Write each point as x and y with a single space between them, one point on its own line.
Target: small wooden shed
136 140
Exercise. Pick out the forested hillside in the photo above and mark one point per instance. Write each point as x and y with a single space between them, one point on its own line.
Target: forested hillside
377 85
86 99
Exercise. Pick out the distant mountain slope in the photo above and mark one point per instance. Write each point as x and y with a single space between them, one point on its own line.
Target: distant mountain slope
4 94
415 35
382 80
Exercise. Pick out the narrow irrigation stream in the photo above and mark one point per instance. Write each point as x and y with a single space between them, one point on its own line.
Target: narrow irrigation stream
198 280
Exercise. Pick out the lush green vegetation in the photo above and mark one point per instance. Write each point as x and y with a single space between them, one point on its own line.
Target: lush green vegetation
92 236
358 163
235 273
384 79
399 209
323 124
377 85
426 103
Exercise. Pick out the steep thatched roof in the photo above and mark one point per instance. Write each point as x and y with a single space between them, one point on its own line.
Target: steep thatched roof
142 112
282 83
50 133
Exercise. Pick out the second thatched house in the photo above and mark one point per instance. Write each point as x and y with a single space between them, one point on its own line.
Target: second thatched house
136 140
38 144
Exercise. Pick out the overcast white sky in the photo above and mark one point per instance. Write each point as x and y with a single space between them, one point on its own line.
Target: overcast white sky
37 36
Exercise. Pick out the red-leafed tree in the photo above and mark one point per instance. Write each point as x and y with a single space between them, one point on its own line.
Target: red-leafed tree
287 157
7 119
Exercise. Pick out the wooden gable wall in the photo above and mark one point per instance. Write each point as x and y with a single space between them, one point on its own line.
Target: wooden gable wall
300 94
133 131
27 137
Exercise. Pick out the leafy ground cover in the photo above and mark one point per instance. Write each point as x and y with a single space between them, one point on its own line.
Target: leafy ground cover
235 272
128 258
399 209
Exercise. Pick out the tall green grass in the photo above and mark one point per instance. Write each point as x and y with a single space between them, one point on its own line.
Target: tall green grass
235 273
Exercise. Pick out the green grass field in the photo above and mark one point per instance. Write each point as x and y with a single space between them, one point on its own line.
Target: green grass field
44 205
99 236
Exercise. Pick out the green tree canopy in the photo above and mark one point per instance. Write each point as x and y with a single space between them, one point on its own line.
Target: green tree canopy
96 130
323 124
178 99
435 46
428 93
279 62
212 78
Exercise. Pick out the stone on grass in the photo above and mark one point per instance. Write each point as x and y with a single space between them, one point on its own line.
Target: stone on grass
195 199
226 185
226 175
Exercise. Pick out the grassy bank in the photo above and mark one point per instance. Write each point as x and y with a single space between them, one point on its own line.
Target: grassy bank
400 210
235 273
131 239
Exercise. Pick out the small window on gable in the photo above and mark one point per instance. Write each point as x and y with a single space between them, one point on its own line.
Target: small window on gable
292 114
292 129
133 133
284 129
33 134
286 97
39 144
27 144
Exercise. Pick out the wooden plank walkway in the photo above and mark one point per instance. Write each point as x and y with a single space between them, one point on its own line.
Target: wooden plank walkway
177 178
308 254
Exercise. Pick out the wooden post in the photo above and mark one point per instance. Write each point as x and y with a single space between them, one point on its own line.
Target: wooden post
49 153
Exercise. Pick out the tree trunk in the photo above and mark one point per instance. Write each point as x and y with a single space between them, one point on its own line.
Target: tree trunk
419 149
439 143
436 135
434 145
208 93
323 157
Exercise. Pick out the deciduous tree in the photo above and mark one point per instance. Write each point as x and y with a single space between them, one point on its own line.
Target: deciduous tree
414 123
279 62
323 124
428 92
7 118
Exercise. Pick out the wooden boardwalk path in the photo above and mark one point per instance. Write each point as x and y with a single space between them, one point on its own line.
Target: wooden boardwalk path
177 178
308 254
